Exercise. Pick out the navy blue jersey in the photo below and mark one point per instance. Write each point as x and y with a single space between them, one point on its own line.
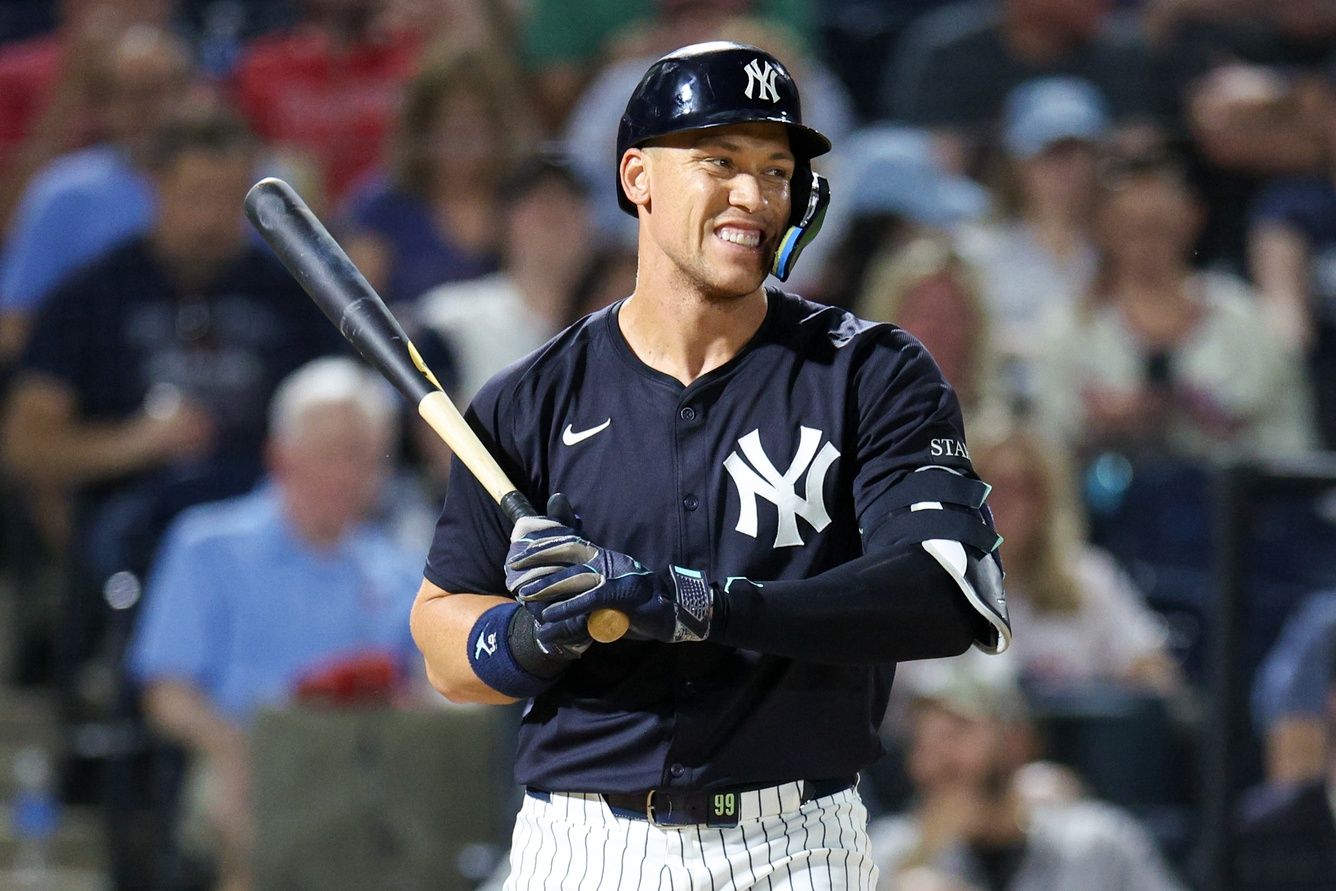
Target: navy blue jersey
779 464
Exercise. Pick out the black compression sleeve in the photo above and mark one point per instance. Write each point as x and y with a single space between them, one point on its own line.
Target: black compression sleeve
877 608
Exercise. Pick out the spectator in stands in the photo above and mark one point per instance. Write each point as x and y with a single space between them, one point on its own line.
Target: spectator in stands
1289 698
51 86
564 50
1292 252
1041 252
610 276
491 321
1084 620
327 90
434 218
977 823
956 66
895 190
143 387
1289 841
1249 78
1159 360
254 598
859 38
82 204
927 289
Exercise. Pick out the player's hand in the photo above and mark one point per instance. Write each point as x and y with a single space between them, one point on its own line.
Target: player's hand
572 638
565 578
542 545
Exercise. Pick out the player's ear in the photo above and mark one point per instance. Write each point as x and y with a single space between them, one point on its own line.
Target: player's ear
634 173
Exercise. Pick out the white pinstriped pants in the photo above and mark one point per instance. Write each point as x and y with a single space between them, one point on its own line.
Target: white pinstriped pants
573 842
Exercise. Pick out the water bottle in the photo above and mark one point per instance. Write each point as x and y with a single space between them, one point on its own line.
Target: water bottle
35 818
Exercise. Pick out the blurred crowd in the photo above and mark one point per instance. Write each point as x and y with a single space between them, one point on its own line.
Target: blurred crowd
1112 223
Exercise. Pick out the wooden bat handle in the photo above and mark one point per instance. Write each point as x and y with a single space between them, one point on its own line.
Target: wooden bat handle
605 625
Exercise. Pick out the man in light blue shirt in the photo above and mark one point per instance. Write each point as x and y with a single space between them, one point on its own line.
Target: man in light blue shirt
248 597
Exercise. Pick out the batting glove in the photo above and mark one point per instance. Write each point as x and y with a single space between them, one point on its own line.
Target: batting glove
565 578
571 639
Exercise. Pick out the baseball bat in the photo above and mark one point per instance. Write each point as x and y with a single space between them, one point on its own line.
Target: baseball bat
341 291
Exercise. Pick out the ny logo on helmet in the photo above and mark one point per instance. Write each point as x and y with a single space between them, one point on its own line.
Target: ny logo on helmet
779 488
762 78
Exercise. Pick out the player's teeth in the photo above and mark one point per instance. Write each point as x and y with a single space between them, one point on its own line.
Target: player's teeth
746 238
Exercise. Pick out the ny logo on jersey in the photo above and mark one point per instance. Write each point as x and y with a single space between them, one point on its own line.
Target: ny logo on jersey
779 488
762 78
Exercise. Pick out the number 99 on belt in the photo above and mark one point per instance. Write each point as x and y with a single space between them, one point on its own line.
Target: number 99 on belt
724 809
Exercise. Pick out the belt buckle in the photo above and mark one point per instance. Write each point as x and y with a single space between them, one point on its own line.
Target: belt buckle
649 808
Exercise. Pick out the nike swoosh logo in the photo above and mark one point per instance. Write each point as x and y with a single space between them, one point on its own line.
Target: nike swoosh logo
570 437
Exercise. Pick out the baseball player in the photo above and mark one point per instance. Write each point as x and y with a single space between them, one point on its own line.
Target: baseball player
778 495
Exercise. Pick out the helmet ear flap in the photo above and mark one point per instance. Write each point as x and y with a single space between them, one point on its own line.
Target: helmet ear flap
810 194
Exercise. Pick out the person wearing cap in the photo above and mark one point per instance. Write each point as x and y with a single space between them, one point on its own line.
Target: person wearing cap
898 192
986 815
720 739
775 497
1040 252
954 68
1288 838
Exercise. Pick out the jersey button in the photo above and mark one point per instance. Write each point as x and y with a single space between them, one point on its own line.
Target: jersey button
687 414
691 502
677 770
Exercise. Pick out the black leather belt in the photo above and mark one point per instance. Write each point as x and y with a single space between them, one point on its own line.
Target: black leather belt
680 807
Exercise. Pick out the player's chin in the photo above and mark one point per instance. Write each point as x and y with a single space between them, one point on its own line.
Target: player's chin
740 275
735 285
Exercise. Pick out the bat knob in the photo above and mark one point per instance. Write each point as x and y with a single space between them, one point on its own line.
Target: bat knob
607 625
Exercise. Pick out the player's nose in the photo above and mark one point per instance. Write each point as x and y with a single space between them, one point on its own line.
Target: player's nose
745 193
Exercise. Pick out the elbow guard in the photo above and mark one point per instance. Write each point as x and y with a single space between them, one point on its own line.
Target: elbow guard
943 512
980 579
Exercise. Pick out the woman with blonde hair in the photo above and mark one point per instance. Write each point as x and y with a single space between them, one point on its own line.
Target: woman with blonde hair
433 217
1082 618
927 289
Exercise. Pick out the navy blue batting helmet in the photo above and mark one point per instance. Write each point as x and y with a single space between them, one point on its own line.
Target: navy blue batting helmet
719 83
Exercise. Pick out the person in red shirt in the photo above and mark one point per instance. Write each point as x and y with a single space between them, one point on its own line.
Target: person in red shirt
327 91
50 86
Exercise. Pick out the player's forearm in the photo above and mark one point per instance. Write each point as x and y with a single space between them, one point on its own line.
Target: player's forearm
874 609
441 623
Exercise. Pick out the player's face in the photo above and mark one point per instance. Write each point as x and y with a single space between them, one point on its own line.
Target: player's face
719 203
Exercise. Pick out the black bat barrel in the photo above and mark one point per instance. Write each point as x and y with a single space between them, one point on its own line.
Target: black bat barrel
340 290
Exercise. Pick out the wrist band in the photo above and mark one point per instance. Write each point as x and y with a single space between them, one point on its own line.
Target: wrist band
494 662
